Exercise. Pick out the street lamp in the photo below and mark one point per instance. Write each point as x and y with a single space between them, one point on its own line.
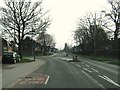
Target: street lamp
33 45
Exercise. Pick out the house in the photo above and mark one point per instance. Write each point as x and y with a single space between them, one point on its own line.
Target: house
28 45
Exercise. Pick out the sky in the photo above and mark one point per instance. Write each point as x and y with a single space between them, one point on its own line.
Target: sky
64 15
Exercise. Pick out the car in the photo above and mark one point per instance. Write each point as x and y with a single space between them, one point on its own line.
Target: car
10 57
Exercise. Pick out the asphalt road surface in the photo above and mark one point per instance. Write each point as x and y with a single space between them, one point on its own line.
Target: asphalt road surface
59 72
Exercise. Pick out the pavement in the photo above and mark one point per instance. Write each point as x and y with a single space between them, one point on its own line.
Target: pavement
11 73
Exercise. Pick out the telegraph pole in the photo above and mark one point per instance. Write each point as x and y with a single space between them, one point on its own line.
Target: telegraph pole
44 42
94 32
33 44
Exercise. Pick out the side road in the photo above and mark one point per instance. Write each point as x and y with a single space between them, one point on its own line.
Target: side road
17 71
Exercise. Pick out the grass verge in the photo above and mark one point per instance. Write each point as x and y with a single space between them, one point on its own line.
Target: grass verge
103 59
24 60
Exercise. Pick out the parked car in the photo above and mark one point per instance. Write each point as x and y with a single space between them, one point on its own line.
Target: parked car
10 57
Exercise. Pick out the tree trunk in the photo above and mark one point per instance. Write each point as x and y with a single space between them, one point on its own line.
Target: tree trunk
19 44
19 50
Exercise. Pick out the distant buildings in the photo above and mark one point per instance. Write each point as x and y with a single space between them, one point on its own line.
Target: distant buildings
29 46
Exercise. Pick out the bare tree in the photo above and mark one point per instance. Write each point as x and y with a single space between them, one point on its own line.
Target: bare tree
114 16
20 17
46 39
90 31
50 41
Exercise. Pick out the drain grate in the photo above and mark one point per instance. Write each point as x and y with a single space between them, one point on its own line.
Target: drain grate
35 79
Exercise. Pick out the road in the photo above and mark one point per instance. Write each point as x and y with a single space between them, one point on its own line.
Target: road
58 72
0 73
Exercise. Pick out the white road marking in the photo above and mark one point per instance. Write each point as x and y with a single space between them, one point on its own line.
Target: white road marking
78 65
53 55
82 62
95 70
109 80
67 59
96 82
87 65
47 80
87 70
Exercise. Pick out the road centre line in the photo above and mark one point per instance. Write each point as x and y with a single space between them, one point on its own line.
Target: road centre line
47 80
109 80
95 70
87 70
78 65
96 82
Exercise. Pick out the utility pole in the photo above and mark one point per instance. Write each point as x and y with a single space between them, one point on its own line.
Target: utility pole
94 32
33 44
44 42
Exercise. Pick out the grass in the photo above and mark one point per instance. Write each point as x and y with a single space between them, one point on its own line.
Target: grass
103 59
24 60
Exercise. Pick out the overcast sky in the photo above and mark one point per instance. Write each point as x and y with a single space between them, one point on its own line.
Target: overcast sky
64 15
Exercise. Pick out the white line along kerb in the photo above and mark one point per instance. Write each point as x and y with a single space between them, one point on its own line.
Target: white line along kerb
109 80
47 80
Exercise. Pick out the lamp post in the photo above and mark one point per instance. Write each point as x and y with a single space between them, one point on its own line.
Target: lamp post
33 45
94 32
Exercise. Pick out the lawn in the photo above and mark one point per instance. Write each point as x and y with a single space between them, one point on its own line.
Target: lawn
25 60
